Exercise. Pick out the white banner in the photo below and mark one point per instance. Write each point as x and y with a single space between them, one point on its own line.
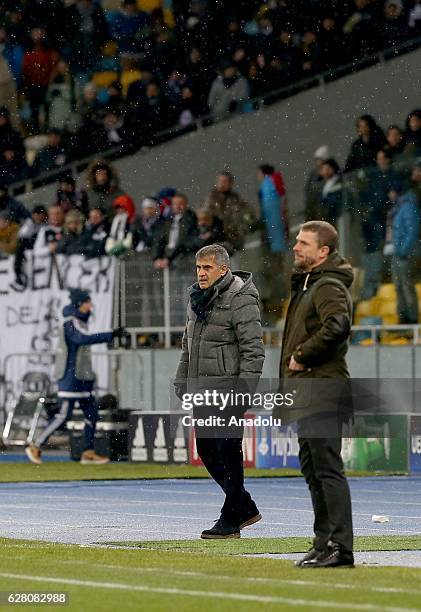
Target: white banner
31 317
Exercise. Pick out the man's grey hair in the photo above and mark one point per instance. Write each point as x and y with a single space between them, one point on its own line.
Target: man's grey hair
217 251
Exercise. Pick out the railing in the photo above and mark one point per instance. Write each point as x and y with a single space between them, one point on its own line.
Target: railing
254 104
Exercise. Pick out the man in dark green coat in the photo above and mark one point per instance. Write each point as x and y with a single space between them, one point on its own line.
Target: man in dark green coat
222 349
314 347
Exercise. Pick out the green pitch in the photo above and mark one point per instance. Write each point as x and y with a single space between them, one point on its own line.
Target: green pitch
109 579
63 470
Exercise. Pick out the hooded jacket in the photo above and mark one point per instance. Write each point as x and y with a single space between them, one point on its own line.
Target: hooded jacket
73 366
318 321
229 342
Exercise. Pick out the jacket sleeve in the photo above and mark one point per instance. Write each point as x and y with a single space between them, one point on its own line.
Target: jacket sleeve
248 329
411 231
75 336
333 310
183 366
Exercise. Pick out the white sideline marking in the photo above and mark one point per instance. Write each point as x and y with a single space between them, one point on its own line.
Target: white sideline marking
211 594
323 585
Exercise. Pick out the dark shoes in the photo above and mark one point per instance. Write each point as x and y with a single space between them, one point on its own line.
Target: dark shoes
250 516
221 531
334 556
312 554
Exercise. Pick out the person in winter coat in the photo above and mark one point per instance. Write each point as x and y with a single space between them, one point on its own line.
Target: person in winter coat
17 212
70 243
75 376
175 235
223 340
228 91
314 346
402 243
103 186
120 239
274 216
332 192
237 216
364 149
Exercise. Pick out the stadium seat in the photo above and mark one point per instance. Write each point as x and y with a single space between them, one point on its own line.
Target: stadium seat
102 80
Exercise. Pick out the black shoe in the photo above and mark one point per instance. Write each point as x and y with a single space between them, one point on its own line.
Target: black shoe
221 531
250 515
333 557
309 556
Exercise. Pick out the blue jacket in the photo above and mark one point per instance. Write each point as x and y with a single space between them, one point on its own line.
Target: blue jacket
406 225
75 338
271 204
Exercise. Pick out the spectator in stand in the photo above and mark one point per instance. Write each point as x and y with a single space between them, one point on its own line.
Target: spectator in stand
15 210
332 192
39 62
128 26
416 181
50 235
115 100
395 141
164 197
200 77
10 139
8 96
59 96
120 238
28 233
394 27
96 232
331 42
310 55
274 217
8 234
103 186
362 29
12 52
13 166
114 134
288 54
86 32
210 228
70 243
153 114
89 107
237 216
146 225
373 207
414 22
53 156
48 14
314 185
364 149
402 243
176 235
413 132
228 91
190 107
70 197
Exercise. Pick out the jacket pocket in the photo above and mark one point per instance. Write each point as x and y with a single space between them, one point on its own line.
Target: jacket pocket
220 359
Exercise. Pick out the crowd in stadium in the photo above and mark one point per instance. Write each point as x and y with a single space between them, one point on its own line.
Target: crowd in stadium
104 219
79 78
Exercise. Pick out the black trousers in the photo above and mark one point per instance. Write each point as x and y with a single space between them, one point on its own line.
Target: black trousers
322 467
223 458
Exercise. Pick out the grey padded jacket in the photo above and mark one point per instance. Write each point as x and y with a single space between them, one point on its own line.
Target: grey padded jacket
229 342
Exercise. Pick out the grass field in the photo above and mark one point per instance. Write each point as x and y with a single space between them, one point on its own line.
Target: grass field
110 579
61 471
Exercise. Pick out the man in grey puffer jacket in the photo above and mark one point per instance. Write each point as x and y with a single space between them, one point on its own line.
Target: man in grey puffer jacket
222 341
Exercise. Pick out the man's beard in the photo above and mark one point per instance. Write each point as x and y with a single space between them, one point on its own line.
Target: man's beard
305 265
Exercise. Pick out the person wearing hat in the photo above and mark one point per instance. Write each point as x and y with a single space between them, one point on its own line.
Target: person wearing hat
73 369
